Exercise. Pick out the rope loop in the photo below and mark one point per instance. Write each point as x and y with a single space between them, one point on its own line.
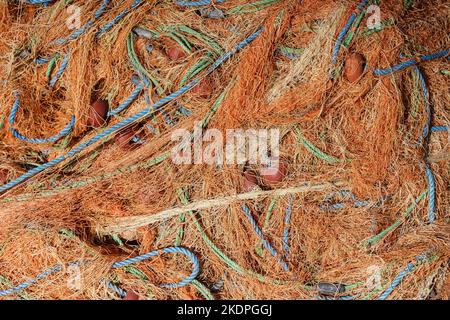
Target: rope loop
64 132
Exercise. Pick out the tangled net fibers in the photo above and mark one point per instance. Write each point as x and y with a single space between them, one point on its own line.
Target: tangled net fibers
94 209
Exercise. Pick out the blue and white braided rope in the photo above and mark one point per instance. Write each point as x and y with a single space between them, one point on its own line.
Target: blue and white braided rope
38 278
196 3
187 253
399 278
411 62
133 96
345 30
425 137
117 18
101 9
67 129
262 238
38 2
287 223
60 71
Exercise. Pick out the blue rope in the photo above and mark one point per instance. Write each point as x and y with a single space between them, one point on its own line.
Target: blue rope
61 70
138 116
410 63
426 97
399 278
39 277
435 129
122 293
425 136
341 193
218 285
196 3
80 31
28 283
347 194
431 192
187 253
183 110
163 112
117 18
18 135
260 235
287 222
439 128
341 37
86 26
44 2
137 80
345 30
133 96
289 55
336 298
42 60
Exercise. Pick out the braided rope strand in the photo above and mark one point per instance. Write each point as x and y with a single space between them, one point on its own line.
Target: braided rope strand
117 18
133 96
28 283
425 137
77 33
15 108
287 222
41 2
399 278
260 235
187 253
410 63
196 3
61 70
345 30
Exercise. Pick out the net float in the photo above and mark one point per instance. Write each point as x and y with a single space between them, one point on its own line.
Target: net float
274 172
52 154
249 182
131 295
213 13
150 195
4 174
203 89
144 33
98 114
329 84
176 53
125 138
330 289
354 67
